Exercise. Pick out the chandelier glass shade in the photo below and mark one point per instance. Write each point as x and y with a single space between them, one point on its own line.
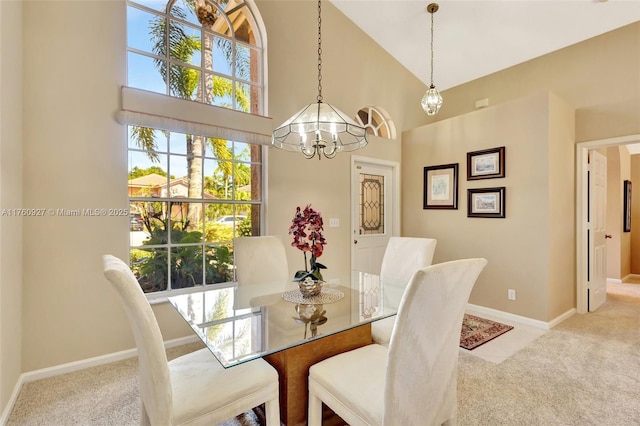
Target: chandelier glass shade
319 129
432 100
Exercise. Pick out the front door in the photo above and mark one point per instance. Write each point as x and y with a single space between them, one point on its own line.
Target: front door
597 220
372 212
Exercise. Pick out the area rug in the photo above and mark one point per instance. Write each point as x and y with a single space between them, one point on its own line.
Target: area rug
477 331
253 417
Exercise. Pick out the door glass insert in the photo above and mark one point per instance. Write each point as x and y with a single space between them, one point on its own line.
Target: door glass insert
371 218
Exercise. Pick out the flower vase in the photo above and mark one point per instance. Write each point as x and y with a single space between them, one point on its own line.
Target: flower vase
310 287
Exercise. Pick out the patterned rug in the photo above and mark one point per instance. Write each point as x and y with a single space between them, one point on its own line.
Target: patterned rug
477 331
253 417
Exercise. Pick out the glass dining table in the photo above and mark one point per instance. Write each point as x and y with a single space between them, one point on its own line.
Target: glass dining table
286 329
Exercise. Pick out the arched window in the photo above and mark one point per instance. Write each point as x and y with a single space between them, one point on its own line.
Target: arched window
194 69
202 50
376 122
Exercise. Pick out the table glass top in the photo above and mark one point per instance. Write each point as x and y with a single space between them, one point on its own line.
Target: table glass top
238 332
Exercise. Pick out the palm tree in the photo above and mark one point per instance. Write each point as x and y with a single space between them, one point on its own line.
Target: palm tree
183 82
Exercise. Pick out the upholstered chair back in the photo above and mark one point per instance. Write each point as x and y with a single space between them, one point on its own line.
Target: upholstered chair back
402 258
261 269
155 382
420 382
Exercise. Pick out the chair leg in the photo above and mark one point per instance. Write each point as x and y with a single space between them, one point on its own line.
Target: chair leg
272 414
315 411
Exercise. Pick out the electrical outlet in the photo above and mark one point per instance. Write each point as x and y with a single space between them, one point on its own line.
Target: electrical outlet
334 222
334 282
511 294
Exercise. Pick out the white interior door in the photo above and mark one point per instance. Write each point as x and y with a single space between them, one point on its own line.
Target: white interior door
372 213
597 220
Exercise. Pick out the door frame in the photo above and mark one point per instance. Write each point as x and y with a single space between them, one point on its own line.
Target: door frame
395 191
582 152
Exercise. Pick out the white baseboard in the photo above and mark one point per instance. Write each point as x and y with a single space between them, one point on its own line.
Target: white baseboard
557 320
506 316
70 367
630 277
616 280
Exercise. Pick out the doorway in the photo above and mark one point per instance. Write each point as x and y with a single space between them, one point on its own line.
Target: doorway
375 210
582 213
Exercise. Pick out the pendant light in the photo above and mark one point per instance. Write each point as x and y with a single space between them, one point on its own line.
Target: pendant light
432 101
319 129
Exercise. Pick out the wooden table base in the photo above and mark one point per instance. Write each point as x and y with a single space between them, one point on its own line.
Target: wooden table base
293 368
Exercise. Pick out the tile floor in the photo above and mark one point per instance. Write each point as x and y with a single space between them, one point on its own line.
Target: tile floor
507 344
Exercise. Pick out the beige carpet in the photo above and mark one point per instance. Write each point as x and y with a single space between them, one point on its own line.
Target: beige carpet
106 395
585 371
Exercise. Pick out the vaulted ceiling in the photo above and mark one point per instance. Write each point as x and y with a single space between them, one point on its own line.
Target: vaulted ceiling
478 37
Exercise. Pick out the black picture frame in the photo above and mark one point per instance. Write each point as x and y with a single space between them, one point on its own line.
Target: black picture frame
486 202
627 206
440 189
486 164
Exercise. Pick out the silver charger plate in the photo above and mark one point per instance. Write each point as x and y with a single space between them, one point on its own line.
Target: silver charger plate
327 295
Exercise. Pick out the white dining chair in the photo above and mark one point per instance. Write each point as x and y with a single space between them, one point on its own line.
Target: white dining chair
193 389
402 258
413 381
262 271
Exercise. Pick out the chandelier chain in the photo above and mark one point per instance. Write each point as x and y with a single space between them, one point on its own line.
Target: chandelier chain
319 129
319 51
432 47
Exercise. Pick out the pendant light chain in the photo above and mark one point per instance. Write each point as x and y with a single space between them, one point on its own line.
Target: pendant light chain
319 51
431 48
432 100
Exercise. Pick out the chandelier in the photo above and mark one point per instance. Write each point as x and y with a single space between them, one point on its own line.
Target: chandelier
319 129
432 101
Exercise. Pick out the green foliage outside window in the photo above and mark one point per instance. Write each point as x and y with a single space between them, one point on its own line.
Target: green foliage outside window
188 265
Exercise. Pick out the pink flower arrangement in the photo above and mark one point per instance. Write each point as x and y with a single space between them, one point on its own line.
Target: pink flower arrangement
306 228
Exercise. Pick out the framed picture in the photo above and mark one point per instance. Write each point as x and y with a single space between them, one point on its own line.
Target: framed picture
441 187
485 164
627 206
486 202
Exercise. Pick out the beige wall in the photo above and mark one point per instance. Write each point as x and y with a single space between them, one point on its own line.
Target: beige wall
614 217
537 237
573 73
75 157
10 197
600 77
625 238
561 277
619 245
635 215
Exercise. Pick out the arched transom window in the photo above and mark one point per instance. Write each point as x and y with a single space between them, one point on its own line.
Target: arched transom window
376 122
202 50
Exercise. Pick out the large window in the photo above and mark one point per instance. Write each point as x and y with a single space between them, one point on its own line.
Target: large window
187 204
191 191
